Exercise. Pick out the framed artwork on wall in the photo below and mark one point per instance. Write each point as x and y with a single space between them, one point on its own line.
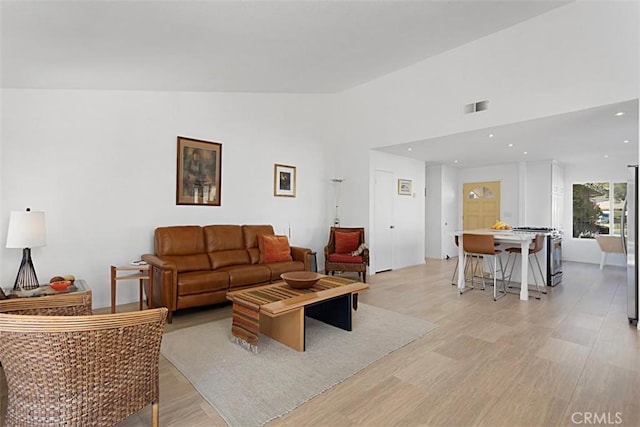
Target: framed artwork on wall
284 180
199 177
404 187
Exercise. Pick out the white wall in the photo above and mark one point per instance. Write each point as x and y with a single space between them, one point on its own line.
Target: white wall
441 205
575 57
102 165
537 200
450 198
433 214
408 211
587 250
507 174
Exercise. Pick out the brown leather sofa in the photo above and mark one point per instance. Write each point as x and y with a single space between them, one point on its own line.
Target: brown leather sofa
197 265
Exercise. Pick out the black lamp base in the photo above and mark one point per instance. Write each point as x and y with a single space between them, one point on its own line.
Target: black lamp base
26 278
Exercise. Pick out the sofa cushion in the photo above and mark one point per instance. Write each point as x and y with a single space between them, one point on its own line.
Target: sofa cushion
250 233
221 259
223 238
274 248
245 275
186 263
199 300
202 281
179 240
277 268
336 257
346 242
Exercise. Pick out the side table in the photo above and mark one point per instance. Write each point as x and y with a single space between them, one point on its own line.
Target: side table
75 301
134 272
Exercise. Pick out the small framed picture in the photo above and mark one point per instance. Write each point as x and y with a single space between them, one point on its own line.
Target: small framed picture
404 187
284 180
199 174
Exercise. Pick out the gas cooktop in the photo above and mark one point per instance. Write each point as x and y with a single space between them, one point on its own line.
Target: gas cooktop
546 230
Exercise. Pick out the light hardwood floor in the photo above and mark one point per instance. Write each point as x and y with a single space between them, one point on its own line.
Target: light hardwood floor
570 355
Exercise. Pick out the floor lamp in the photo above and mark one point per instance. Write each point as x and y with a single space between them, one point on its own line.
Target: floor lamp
26 231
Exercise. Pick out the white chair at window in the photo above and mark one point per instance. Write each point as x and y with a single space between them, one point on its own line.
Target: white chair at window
609 245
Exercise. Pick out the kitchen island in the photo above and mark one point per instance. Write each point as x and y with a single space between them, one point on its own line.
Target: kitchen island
523 239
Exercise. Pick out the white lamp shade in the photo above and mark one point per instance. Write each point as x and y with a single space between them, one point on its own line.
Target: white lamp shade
26 230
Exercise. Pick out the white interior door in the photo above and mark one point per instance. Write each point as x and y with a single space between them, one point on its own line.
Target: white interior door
383 221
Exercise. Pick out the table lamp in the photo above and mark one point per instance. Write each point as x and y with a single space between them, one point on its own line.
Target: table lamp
26 231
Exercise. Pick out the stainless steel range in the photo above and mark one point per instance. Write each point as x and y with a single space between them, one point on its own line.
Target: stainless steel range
554 252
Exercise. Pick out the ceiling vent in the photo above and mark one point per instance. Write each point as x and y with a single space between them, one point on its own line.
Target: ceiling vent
474 107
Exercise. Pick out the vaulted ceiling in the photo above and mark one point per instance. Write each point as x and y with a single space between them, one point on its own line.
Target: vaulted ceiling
236 46
301 46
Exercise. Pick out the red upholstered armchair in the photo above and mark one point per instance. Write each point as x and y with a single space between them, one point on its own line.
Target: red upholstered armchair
346 251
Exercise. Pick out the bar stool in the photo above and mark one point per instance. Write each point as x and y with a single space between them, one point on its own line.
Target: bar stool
536 247
479 246
454 276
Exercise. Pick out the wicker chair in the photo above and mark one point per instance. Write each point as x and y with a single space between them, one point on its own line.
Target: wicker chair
81 370
342 259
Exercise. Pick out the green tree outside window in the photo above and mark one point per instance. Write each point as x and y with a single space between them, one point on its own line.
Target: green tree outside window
596 209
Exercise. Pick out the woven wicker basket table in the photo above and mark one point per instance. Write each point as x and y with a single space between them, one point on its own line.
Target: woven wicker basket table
74 301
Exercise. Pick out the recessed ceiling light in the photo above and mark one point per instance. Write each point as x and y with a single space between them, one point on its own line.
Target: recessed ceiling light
626 141
510 145
410 149
524 152
455 161
490 135
606 156
620 113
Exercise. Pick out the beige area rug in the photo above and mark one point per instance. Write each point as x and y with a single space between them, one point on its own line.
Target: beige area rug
250 389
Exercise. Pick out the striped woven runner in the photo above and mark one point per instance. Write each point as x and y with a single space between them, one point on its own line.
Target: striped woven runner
245 326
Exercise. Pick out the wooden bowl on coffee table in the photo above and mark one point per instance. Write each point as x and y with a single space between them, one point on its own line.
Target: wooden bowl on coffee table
301 279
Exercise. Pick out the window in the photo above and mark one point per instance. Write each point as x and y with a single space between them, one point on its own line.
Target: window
480 192
619 195
597 208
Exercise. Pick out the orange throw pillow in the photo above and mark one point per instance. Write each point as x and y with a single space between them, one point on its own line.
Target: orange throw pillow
347 242
274 248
